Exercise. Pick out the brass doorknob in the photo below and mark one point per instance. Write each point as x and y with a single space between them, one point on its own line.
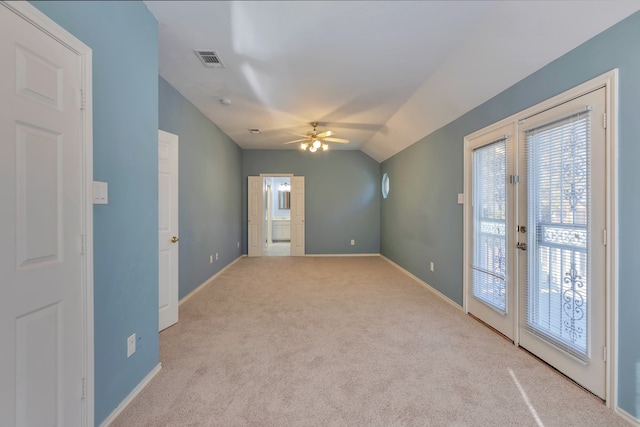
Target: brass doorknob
174 239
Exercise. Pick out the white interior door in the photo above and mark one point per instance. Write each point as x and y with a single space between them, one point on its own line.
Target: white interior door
297 216
41 252
562 270
254 217
168 229
269 218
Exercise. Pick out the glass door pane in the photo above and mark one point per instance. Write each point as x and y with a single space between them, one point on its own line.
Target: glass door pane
489 225
558 285
562 267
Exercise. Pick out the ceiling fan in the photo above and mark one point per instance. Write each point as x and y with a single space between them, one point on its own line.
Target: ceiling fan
314 140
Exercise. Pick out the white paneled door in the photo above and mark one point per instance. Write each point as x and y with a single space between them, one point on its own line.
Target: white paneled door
297 216
168 246
536 238
42 247
255 218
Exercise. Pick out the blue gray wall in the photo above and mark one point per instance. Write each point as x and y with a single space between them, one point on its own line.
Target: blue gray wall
342 197
210 189
420 221
124 39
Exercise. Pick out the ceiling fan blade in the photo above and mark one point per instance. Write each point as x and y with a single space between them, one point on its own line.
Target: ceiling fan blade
340 140
297 140
325 134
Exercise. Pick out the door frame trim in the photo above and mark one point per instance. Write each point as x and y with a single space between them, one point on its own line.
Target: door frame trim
45 24
609 81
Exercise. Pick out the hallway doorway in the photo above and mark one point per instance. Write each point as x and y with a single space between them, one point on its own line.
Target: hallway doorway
275 215
277 210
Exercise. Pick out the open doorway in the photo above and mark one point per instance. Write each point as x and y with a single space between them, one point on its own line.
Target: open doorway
277 216
267 222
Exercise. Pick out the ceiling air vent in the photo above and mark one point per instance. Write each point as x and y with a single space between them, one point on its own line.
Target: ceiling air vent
209 58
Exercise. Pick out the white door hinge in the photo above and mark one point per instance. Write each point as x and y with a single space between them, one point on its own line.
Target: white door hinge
82 99
604 353
604 120
83 244
84 388
604 237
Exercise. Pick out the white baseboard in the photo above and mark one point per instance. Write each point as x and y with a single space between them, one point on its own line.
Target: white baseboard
127 400
425 284
627 416
209 280
339 255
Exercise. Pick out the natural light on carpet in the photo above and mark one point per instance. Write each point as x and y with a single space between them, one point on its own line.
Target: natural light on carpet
526 399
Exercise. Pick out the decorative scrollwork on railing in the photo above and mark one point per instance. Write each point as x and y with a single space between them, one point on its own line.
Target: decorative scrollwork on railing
574 171
499 262
573 303
493 227
570 236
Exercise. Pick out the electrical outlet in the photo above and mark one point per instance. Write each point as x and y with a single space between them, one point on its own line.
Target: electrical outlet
431 266
131 345
353 242
216 256
210 259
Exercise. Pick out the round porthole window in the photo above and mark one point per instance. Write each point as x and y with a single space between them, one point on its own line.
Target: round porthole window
385 185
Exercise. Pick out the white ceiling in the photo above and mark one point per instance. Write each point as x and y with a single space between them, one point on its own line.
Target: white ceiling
382 74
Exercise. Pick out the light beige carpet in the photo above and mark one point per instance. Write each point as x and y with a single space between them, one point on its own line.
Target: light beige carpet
352 341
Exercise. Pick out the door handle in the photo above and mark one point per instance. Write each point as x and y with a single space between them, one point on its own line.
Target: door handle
522 246
174 239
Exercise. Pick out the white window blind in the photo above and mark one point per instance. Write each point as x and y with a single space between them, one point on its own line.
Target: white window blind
557 294
489 224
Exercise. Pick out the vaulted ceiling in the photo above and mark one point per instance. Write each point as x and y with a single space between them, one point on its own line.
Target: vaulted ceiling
382 74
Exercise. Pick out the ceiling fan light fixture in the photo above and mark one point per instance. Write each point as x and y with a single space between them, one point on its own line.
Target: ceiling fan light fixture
315 142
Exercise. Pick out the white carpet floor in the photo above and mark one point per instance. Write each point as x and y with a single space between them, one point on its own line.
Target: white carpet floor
316 341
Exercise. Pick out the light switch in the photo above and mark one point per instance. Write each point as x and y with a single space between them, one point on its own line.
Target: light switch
460 198
100 193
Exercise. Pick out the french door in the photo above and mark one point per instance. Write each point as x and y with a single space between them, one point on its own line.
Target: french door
562 270
492 298
538 235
